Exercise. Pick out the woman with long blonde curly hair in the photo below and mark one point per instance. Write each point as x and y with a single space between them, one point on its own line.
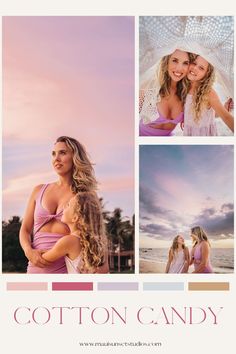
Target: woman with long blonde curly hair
202 102
84 248
42 224
200 253
83 178
171 95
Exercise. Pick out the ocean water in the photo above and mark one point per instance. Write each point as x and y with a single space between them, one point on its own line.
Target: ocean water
222 259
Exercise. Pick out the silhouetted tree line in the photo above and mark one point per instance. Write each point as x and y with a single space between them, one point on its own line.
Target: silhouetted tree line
120 234
13 257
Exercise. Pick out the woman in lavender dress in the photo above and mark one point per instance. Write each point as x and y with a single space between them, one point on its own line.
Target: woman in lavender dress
200 254
170 98
42 225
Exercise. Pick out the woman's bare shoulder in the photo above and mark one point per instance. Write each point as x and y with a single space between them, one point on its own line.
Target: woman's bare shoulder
204 244
37 188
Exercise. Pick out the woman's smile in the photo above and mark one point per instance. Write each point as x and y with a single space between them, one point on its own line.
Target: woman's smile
178 65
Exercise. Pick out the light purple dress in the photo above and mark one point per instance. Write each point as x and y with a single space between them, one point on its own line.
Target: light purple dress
147 130
45 240
198 258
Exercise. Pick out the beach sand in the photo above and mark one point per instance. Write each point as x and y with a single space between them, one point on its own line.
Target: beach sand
146 266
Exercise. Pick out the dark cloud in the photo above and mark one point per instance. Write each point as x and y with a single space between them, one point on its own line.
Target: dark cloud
217 222
227 207
146 218
147 203
209 212
153 228
158 231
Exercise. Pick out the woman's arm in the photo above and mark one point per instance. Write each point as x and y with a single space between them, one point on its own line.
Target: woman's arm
205 256
187 260
191 257
61 248
170 258
34 256
220 110
64 247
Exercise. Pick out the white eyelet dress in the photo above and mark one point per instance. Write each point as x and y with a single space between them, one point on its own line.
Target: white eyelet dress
206 126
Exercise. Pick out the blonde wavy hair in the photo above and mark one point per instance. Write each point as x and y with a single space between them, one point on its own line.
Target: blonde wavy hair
165 81
174 246
200 95
83 178
91 231
200 233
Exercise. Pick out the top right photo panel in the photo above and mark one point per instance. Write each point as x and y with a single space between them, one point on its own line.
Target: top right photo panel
186 78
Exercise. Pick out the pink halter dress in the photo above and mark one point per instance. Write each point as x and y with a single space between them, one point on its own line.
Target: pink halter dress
147 130
45 240
197 260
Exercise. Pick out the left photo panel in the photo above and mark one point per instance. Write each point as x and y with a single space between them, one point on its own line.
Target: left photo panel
68 144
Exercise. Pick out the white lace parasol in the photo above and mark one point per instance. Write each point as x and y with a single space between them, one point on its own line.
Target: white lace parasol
212 37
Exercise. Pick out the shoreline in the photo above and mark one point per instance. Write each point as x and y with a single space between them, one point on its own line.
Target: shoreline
150 266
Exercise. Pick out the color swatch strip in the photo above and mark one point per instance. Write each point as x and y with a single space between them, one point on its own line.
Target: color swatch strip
208 286
163 286
72 286
32 286
118 286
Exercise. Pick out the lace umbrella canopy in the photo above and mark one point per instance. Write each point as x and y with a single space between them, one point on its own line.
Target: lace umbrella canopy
212 37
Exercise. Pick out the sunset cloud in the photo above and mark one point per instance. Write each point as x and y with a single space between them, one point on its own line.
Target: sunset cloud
185 186
68 76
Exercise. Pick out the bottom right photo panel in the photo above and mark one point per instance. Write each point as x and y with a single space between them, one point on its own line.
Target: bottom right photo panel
186 209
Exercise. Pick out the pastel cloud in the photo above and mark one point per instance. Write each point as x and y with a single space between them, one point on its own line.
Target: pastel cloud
68 76
183 186
179 191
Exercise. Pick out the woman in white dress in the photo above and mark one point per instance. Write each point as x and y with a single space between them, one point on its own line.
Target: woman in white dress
178 259
202 102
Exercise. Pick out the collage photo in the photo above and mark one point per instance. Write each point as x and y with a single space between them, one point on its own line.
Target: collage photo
118 177
72 128
186 192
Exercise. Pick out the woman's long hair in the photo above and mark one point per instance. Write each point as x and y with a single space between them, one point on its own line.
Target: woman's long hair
165 80
200 95
83 178
91 231
200 233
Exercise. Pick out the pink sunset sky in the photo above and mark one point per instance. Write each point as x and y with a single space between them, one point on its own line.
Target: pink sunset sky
182 186
68 76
